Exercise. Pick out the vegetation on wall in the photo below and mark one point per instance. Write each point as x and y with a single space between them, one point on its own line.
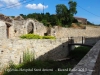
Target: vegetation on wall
35 36
47 67
63 16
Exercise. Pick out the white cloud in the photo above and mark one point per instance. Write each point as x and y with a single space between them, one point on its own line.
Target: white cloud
36 6
11 3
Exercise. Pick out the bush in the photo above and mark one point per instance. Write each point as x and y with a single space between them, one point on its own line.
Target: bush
30 36
28 56
33 36
48 37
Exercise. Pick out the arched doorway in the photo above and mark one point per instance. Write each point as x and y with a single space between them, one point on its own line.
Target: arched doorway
8 29
30 28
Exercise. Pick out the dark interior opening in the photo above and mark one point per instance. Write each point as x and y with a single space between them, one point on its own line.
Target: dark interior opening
30 28
7 29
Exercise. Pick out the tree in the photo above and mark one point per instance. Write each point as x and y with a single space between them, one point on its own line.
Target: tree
47 16
24 16
53 20
64 14
72 7
72 11
61 12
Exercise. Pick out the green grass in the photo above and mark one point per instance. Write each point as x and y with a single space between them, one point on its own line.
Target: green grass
79 52
48 37
34 36
27 56
39 65
77 55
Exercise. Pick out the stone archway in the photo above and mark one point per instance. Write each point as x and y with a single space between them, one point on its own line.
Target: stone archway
30 28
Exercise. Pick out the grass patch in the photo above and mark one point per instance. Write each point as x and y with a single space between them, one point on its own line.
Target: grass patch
37 67
34 36
48 67
30 36
48 37
79 52
28 56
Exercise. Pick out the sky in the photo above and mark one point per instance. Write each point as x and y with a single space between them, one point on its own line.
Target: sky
89 9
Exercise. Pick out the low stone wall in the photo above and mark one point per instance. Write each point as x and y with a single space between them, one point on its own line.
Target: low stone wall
12 50
61 32
90 63
91 40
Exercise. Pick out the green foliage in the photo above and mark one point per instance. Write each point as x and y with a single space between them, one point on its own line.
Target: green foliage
33 36
38 64
53 20
59 23
63 16
28 56
79 52
48 37
72 7
30 36
62 12
75 20
44 22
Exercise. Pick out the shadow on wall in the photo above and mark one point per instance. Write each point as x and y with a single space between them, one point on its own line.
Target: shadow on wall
85 40
59 52
91 40
63 50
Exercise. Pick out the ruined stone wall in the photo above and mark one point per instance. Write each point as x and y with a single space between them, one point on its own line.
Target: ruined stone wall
21 27
18 27
42 49
3 33
40 28
5 18
71 32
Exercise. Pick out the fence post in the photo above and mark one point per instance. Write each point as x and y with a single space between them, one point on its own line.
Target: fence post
82 39
71 39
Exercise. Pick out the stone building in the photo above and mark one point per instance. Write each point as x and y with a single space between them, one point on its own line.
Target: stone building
14 27
81 20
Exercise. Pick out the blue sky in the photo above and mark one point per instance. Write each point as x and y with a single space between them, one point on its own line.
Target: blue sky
89 9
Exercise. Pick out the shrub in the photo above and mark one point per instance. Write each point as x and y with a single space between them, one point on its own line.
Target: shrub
48 37
30 36
28 56
33 36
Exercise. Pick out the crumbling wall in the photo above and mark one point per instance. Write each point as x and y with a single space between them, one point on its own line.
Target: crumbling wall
3 33
61 32
12 50
5 18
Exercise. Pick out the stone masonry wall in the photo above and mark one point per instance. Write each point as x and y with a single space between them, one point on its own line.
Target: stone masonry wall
60 32
20 27
42 49
40 28
3 30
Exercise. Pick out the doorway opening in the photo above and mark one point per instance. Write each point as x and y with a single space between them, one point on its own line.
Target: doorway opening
30 28
8 29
